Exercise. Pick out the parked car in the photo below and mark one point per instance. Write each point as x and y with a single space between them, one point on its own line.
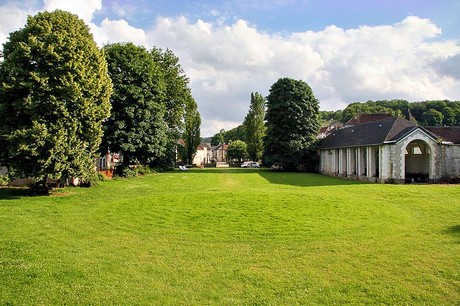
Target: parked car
250 165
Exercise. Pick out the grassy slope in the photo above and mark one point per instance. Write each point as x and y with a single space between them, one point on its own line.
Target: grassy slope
232 237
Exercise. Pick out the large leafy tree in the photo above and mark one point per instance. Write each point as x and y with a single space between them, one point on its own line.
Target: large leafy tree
292 123
177 92
255 126
136 127
237 150
178 103
54 95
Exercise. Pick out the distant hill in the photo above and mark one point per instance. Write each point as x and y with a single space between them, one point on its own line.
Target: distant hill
426 113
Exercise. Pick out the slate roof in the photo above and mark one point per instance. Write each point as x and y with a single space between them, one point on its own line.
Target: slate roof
451 134
370 133
364 118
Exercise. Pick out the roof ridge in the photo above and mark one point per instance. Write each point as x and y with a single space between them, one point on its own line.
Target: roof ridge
392 128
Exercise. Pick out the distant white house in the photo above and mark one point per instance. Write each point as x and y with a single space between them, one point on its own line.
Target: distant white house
203 155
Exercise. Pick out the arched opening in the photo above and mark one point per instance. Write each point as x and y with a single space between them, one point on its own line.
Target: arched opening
417 161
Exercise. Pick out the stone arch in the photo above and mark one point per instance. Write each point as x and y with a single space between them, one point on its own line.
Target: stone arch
418 159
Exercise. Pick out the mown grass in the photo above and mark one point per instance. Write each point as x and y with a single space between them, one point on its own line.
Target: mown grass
232 237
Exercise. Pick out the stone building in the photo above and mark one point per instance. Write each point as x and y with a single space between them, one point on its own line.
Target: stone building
392 150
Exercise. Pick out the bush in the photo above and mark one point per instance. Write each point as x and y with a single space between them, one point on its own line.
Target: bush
4 180
143 170
128 172
92 179
102 177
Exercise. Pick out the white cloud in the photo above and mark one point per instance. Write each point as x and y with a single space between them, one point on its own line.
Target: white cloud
226 62
111 31
85 9
11 19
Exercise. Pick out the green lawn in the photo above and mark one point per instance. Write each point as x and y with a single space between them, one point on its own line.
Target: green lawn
232 237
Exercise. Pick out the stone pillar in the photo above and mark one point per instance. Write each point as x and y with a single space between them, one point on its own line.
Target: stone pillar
358 161
340 161
369 162
349 170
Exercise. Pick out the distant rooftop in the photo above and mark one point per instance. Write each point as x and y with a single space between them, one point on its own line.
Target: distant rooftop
451 134
364 118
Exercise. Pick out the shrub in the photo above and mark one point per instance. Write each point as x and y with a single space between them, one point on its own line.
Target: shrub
128 172
143 170
4 180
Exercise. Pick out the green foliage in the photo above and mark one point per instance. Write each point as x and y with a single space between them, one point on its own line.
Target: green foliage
177 97
177 92
144 170
136 127
237 150
54 95
450 116
237 133
218 138
449 109
394 108
191 134
254 126
292 123
92 179
5 180
432 118
128 172
102 177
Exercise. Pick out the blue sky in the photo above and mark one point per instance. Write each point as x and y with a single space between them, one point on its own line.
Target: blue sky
292 15
347 51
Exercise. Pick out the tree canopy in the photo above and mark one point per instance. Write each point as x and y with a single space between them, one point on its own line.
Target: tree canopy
136 127
254 126
292 123
54 95
191 133
180 107
237 150
450 110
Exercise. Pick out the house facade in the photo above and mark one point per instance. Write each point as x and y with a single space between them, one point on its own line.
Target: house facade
203 155
391 150
219 153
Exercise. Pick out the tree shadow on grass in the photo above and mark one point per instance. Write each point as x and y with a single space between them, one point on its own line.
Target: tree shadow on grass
12 193
454 231
223 170
301 179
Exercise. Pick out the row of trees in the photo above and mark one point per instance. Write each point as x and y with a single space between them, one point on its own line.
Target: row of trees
427 113
281 130
246 140
63 101
152 107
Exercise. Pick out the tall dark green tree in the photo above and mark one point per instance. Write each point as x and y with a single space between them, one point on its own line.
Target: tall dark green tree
191 133
136 127
254 125
54 95
292 123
